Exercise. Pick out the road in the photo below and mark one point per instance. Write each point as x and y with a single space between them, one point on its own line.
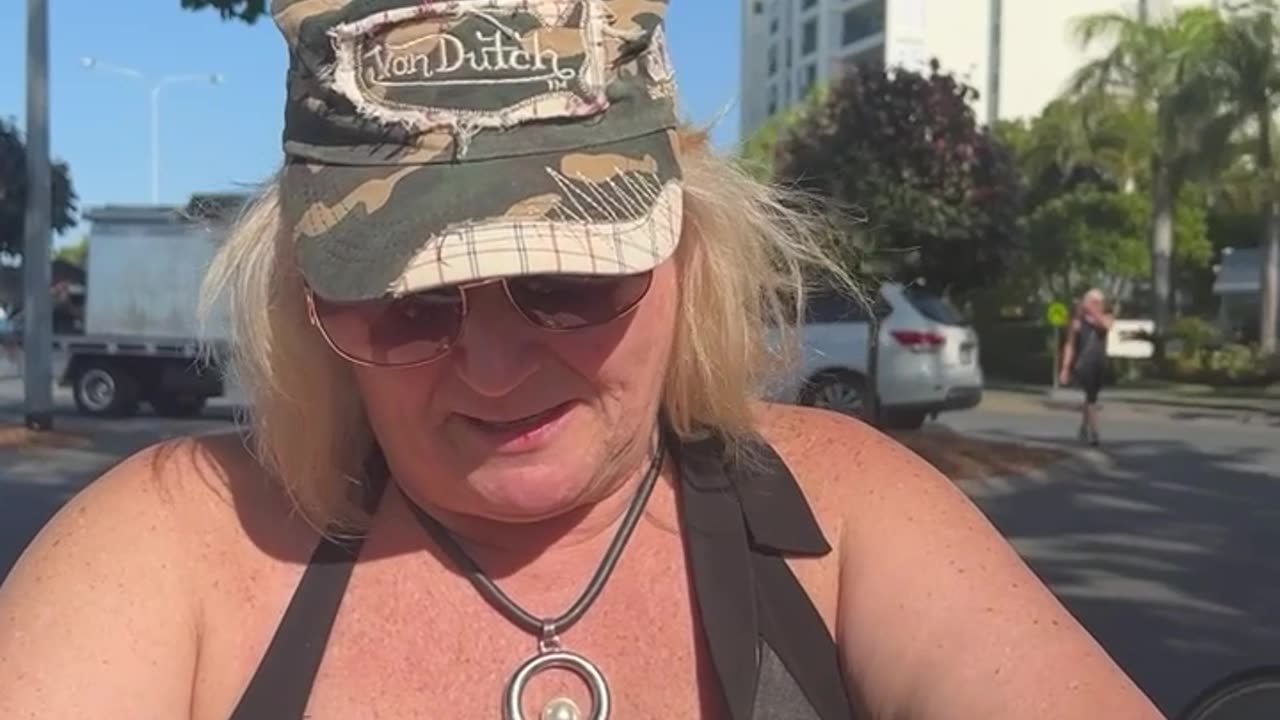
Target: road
1167 553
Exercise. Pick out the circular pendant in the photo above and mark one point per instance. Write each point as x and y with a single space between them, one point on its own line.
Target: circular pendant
557 709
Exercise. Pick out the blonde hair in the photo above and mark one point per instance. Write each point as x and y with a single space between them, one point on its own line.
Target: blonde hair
745 260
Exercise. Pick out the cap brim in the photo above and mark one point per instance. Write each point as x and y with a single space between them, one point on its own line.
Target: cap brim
368 231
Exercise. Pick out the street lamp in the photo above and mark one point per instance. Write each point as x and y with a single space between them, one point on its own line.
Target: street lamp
213 79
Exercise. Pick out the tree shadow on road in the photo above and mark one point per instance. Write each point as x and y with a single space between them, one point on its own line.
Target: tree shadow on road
1169 558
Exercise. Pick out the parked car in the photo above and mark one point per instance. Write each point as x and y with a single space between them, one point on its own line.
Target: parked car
928 359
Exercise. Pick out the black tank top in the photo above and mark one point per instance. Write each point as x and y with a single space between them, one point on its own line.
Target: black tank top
772 653
1091 346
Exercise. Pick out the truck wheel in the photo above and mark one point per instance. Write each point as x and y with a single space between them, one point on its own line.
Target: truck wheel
178 406
105 391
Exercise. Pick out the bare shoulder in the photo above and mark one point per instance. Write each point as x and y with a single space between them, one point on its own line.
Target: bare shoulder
842 464
932 603
839 464
139 505
107 597
175 494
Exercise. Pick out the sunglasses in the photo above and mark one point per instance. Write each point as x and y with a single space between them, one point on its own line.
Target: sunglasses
421 328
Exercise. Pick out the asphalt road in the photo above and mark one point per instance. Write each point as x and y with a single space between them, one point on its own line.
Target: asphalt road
1167 551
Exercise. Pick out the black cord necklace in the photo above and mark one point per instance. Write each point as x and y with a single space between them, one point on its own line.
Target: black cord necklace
550 654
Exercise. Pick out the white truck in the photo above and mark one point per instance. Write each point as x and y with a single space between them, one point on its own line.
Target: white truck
141 340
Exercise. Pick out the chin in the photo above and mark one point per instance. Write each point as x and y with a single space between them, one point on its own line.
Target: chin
527 490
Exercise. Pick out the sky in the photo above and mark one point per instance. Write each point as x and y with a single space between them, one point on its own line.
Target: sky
225 136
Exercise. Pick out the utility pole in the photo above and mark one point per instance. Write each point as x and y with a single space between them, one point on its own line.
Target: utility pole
995 42
1144 13
37 313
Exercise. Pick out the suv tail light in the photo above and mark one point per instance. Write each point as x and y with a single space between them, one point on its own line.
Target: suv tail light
919 340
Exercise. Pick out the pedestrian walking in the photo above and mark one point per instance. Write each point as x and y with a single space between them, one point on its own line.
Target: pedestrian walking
1084 358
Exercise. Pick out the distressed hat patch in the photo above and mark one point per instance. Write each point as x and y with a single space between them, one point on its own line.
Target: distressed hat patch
472 66
436 142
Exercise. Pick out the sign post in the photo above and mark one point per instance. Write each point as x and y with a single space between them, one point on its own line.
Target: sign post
1057 315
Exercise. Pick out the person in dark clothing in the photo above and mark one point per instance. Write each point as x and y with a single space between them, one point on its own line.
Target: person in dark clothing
504 325
1084 358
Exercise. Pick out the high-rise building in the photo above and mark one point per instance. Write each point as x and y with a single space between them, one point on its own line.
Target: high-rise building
789 45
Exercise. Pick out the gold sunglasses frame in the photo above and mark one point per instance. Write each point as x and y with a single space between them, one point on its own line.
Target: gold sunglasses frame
313 317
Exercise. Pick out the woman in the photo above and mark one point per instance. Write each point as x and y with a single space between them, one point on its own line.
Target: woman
1084 358
501 322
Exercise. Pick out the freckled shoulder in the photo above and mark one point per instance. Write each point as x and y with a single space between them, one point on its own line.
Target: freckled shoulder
835 459
233 512
842 466
124 568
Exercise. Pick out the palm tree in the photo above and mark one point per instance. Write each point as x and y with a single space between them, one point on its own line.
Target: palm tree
1162 69
1249 70
1097 133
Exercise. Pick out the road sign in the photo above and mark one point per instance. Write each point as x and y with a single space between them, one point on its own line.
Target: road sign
1131 339
1057 314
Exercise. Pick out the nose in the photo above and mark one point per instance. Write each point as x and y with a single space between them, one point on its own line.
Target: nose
498 348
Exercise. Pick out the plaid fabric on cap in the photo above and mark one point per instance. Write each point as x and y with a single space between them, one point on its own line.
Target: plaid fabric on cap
430 143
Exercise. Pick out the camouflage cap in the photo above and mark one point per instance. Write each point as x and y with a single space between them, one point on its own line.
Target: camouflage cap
431 142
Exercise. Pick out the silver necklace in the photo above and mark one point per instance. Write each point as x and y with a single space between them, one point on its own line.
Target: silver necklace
550 653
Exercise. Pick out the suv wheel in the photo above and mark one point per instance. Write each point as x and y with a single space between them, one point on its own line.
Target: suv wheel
842 392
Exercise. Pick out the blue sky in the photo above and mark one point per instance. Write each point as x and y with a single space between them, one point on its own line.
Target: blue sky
215 137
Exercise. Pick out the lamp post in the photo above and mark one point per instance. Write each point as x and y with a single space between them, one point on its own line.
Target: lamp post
212 78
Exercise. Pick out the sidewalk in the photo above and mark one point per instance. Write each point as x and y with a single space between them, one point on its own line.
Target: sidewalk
1265 401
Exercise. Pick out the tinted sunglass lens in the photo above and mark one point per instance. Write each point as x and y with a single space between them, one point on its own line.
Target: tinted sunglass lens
559 302
399 331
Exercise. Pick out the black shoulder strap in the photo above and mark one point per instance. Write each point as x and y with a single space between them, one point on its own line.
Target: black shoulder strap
782 523
719 555
777 513
741 519
281 686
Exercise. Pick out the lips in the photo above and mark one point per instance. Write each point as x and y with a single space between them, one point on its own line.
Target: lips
519 433
522 423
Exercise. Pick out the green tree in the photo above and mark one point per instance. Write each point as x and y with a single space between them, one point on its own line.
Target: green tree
941 195
1249 70
1080 139
1090 236
13 191
1087 237
76 253
1162 69
246 10
758 153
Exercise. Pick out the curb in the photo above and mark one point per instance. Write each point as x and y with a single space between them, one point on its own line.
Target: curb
1083 461
1232 412
1069 399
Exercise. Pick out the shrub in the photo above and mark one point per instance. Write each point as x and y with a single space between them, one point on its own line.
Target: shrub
1193 335
1230 364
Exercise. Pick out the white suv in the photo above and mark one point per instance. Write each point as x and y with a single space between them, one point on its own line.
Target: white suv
927 361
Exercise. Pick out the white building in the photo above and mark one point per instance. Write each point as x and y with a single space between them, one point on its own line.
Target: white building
788 45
